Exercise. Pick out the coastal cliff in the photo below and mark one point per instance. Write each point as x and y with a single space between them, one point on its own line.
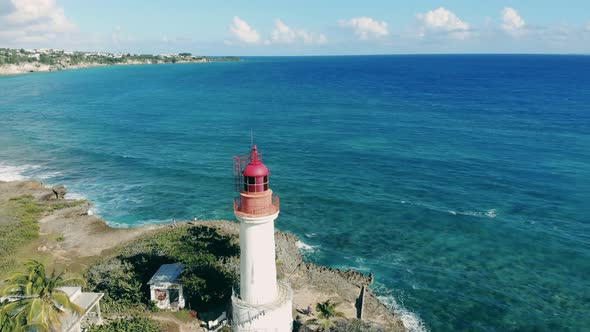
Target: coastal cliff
70 237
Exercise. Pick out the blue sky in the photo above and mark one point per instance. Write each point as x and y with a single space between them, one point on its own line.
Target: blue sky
302 27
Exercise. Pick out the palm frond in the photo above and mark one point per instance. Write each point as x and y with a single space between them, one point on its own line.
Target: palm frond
39 304
62 301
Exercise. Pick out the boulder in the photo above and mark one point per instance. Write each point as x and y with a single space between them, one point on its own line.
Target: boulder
59 192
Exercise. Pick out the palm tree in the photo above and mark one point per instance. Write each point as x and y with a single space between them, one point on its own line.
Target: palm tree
38 303
7 322
326 311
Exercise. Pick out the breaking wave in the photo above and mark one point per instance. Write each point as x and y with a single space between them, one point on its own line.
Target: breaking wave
15 173
304 247
411 320
491 213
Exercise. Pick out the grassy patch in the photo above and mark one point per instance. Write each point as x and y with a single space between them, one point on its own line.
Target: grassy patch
63 205
183 316
19 231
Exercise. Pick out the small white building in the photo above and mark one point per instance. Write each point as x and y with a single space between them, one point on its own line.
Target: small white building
90 304
165 290
72 321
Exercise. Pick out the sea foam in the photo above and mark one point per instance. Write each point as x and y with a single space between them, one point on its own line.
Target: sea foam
74 196
492 213
411 321
304 247
15 173
48 175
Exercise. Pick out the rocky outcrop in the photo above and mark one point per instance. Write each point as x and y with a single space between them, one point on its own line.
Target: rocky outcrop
59 192
313 283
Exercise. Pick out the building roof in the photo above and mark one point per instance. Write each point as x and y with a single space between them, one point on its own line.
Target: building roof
167 274
82 299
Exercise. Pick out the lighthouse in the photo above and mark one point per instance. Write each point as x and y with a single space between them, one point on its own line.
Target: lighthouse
262 303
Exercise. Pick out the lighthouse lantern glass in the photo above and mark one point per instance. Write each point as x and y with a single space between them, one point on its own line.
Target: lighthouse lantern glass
255 183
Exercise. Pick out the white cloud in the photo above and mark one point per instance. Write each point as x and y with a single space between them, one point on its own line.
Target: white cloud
366 27
512 22
444 21
284 34
243 31
32 21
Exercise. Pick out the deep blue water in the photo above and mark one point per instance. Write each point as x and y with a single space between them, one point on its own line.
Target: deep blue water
462 182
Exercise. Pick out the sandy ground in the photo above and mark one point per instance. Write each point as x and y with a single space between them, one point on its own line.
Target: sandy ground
87 235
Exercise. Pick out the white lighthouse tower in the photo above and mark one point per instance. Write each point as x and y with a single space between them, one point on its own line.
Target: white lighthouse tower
262 304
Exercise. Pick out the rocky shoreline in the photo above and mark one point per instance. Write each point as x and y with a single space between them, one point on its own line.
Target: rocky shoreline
74 238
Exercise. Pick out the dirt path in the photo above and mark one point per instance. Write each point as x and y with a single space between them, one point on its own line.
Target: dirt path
174 324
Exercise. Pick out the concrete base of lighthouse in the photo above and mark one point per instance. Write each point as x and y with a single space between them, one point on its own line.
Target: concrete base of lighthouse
275 316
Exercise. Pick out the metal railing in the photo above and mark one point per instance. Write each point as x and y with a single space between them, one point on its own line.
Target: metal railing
284 292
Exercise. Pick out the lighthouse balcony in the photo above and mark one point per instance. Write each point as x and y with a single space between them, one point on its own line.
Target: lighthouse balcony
256 208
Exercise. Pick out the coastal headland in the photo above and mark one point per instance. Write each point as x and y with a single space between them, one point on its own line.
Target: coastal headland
38 222
21 61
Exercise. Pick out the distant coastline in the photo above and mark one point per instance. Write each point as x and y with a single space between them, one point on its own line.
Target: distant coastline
21 61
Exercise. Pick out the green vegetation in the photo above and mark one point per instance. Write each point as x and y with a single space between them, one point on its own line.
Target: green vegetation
39 305
207 277
185 315
63 205
62 58
326 313
20 230
133 324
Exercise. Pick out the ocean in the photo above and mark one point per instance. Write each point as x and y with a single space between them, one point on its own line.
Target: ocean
461 181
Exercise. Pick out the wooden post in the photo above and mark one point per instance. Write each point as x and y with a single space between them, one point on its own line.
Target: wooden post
361 303
98 312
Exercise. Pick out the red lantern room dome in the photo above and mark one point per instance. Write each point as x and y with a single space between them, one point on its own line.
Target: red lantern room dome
255 168
256 197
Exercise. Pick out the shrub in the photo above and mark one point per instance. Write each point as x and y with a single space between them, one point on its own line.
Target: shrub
133 324
206 279
118 281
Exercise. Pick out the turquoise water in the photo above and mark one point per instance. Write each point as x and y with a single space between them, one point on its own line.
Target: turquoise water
462 182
